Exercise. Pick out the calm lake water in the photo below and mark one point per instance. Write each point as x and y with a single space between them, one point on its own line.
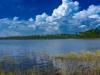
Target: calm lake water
18 47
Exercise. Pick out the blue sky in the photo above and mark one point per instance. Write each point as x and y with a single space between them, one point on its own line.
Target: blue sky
26 8
30 17
30 8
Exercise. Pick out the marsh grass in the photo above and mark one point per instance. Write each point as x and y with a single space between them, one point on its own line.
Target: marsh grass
83 63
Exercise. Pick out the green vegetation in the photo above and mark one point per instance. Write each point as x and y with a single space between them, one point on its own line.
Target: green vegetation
56 36
94 33
83 63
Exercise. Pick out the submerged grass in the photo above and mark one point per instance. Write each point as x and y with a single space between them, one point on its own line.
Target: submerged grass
83 63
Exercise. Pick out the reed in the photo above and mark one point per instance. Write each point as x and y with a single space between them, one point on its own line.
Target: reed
83 63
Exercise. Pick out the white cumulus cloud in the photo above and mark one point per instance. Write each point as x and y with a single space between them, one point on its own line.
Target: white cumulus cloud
14 27
67 19
64 19
56 21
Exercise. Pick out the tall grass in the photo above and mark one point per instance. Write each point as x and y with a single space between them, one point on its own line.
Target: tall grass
83 63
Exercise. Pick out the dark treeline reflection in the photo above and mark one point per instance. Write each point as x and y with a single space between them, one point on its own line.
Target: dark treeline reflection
83 63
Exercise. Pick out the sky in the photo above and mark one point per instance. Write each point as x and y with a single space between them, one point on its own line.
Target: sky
32 17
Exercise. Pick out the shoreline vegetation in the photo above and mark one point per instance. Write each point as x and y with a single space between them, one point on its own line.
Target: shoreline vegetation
83 63
90 34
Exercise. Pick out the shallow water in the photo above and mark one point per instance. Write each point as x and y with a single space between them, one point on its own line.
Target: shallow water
18 47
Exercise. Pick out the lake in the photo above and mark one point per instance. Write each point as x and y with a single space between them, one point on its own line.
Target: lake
18 47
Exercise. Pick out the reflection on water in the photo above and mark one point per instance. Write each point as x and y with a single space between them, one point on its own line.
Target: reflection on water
17 57
17 47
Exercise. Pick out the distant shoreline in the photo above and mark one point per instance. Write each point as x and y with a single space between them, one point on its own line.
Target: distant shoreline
90 34
50 37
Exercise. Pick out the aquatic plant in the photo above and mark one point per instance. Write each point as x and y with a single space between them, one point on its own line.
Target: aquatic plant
83 63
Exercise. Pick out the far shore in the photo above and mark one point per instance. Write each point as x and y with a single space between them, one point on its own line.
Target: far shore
90 34
48 37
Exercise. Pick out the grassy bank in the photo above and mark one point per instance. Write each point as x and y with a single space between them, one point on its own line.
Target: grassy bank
84 63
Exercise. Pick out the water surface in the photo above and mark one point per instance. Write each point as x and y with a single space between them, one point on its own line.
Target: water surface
18 47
